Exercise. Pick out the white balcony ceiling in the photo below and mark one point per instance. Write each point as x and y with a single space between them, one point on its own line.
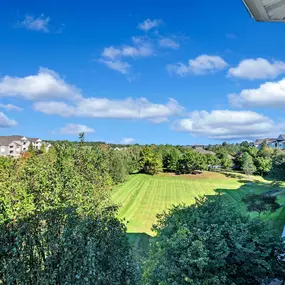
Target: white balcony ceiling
266 10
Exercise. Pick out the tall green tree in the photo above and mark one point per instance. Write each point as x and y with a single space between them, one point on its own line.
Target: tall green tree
263 165
248 166
170 159
190 162
150 161
117 166
211 242
278 167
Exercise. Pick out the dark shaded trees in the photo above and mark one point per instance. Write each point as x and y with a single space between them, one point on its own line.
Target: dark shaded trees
261 203
211 242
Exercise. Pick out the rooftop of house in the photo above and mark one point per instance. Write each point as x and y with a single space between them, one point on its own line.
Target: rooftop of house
281 137
6 140
267 140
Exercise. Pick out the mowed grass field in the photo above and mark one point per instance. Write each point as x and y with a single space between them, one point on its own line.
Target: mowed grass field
142 197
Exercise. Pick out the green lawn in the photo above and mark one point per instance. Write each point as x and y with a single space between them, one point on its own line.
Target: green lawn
143 196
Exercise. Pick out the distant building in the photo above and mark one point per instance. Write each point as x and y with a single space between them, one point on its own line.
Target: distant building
15 145
278 143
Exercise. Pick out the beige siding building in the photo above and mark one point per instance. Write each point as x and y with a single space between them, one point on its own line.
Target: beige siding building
15 145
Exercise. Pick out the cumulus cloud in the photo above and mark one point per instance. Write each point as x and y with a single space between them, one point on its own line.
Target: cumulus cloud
148 25
36 24
75 129
259 68
47 84
140 48
168 43
105 108
225 124
10 107
112 56
5 122
201 65
269 94
128 141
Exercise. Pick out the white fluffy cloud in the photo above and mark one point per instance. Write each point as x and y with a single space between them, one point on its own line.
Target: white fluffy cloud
112 56
201 65
128 141
105 108
269 94
46 84
148 25
37 24
225 124
168 43
10 107
75 129
259 68
5 122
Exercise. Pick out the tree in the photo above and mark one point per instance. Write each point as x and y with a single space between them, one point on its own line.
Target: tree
190 162
170 159
225 160
253 151
31 149
117 166
150 161
263 165
43 148
278 167
261 203
57 222
211 242
245 144
265 151
248 166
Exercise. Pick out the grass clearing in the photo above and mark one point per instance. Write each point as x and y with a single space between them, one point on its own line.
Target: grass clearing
142 197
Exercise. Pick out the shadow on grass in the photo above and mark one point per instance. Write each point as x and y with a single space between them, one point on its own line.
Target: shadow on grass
140 243
257 187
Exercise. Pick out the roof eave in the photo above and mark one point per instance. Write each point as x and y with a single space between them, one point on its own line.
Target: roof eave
256 10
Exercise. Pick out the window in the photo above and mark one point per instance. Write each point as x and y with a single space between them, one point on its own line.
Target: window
11 146
11 151
24 143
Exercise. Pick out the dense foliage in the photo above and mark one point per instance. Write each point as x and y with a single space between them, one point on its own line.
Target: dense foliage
57 223
211 242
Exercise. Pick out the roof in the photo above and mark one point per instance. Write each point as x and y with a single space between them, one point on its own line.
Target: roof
6 140
268 140
18 143
266 10
281 138
203 151
33 139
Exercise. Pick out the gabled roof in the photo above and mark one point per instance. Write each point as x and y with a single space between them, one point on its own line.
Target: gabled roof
281 137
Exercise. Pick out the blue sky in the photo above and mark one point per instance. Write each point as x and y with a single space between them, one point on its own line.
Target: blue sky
178 72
